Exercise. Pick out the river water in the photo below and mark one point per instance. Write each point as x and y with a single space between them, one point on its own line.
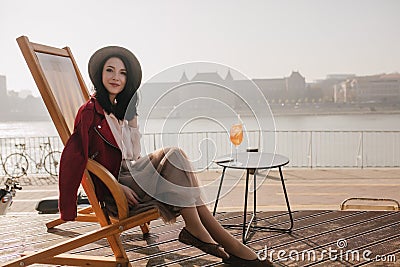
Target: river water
359 122
320 149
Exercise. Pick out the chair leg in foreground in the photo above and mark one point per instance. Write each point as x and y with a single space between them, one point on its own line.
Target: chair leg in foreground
56 254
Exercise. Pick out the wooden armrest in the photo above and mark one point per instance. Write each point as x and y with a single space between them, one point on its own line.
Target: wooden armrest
112 184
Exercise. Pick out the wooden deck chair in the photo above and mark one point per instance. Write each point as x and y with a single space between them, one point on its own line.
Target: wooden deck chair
63 91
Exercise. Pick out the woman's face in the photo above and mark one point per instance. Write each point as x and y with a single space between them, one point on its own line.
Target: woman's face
114 77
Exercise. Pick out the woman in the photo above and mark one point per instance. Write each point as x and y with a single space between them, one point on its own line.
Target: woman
107 131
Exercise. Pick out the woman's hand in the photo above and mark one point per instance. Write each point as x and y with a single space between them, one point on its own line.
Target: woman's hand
131 196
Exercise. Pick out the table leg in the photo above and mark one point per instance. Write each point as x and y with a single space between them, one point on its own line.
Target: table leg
219 191
254 192
247 226
287 200
246 193
246 230
287 230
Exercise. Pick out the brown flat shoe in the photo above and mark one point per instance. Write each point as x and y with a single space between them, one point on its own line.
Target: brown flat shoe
213 249
236 261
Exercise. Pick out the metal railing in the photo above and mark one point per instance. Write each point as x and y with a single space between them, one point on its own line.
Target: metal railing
306 149
358 149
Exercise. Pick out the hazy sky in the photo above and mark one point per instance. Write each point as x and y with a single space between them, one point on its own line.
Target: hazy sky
262 39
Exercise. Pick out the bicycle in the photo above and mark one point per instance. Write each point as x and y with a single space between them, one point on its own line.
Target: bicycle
16 164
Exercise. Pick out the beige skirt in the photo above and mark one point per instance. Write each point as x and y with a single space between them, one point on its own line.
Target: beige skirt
164 180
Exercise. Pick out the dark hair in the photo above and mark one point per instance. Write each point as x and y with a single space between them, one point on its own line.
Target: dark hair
123 99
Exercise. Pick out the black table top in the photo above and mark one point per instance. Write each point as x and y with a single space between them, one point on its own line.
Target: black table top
252 160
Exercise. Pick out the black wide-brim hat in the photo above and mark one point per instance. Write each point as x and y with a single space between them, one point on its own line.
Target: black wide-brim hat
97 59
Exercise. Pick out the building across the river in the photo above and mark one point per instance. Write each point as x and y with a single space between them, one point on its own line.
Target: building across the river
383 88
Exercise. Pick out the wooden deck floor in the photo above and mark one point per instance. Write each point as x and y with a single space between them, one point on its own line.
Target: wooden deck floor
330 238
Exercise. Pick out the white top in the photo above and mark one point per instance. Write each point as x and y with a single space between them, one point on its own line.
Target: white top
127 137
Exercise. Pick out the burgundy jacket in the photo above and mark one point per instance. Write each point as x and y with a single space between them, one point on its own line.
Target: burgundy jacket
92 138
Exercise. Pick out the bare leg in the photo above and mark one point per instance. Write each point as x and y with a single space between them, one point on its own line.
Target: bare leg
194 225
223 237
198 220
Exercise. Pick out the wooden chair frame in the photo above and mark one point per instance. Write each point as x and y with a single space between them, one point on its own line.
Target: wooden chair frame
111 228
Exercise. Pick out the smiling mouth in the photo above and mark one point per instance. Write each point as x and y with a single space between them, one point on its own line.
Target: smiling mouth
114 84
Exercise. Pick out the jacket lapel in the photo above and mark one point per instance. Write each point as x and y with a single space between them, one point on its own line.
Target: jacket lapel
102 126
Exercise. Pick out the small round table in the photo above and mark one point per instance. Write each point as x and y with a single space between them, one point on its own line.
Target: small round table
251 162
